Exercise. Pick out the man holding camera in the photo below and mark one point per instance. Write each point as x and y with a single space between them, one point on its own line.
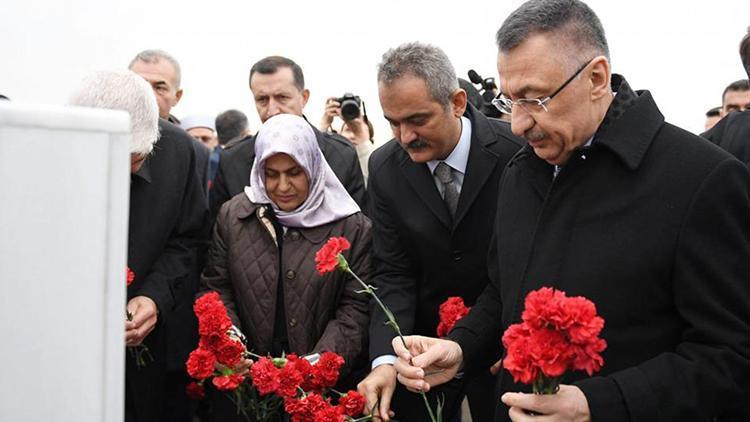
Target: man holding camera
278 87
356 127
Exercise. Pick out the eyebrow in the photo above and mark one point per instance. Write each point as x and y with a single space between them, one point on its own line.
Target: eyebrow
409 117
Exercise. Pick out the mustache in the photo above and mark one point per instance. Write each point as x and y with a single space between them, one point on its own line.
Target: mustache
416 144
534 135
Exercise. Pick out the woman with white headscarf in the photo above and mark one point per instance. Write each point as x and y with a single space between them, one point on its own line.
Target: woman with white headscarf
262 258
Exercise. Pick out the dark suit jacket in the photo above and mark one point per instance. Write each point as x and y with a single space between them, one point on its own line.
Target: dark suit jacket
167 225
652 224
237 161
732 134
421 257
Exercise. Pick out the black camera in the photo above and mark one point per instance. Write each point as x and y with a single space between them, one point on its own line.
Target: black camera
350 105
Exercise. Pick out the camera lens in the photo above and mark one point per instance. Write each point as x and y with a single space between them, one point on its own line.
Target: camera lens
349 109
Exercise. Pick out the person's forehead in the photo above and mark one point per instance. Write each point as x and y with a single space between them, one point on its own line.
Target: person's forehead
283 78
734 97
532 66
409 91
159 69
200 130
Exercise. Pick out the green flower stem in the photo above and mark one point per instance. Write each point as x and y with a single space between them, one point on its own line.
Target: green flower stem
370 290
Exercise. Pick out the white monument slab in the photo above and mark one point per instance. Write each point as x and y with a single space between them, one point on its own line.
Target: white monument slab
64 191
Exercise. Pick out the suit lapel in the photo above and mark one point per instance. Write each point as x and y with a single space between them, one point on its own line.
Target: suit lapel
481 164
419 177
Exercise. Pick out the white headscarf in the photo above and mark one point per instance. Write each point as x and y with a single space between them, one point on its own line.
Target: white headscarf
327 200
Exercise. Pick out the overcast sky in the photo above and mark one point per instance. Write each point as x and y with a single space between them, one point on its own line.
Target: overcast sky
685 52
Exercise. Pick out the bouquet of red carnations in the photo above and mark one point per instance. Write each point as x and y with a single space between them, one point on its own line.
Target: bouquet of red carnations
451 311
558 333
289 383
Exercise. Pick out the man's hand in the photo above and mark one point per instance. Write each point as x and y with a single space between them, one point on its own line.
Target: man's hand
428 362
377 388
567 405
145 314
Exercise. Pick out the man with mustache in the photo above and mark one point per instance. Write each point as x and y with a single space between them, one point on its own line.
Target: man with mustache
609 202
432 197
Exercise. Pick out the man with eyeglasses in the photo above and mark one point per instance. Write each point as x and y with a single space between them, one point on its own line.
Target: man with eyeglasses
609 202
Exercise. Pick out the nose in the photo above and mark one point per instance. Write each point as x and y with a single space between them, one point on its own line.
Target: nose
405 134
273 108
520 121
284 184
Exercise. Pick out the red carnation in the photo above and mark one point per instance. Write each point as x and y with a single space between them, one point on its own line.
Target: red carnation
265 376
212 315
195 391
200 364
452 310
304 409
229 352
290 378
330 414
352 403
327 258
558 333
130 277
228 382
304 368
325 373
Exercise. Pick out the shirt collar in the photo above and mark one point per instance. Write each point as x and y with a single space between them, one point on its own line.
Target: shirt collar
459 157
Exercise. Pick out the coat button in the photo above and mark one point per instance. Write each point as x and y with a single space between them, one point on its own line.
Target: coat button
292 322
290 274
294 235
456 255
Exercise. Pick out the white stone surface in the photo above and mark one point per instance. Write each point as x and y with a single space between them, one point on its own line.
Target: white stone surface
64 183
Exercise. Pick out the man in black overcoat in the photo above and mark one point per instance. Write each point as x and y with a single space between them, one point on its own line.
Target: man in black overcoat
424 251
278 86
609 202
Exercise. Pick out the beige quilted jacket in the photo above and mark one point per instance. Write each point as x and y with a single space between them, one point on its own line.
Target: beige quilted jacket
323 312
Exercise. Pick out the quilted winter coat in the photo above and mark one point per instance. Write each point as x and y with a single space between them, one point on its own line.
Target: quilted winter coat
323 313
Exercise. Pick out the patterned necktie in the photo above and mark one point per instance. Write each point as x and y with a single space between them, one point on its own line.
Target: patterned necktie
450 191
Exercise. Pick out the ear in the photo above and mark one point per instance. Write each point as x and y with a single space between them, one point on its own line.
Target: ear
600 78
305 96
177 96
458 102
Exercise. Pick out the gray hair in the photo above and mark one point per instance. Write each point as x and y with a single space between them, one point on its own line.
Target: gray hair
123 90
424 61
573 20
153 56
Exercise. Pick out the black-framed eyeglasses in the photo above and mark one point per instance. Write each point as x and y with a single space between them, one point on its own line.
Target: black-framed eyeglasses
532 105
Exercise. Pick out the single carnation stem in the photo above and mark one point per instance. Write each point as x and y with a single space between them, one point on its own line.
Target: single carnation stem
393 324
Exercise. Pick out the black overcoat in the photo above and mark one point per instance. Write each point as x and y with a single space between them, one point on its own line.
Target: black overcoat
652 224
168 215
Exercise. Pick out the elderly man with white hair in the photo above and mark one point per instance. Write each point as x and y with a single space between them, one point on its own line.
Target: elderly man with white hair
166 227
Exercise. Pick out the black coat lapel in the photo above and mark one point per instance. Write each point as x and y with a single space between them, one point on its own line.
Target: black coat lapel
481 164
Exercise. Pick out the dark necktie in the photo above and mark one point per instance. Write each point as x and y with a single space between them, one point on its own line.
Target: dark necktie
450 191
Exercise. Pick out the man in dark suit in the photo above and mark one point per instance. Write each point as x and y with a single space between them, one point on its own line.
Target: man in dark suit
278 86
732 132
609 202
430 237
166 226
